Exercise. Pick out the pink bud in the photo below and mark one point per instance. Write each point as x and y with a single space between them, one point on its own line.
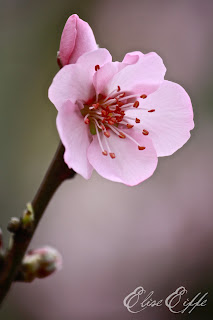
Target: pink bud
77 38
39 263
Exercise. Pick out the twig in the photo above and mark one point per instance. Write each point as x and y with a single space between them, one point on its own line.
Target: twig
56 174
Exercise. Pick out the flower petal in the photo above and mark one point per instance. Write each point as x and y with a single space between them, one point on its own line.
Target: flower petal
104 75
131 166
76 39
132 57
74 82
75 137
169 126
143 77
91 59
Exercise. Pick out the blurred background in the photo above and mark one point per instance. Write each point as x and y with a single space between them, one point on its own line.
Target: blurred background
159 234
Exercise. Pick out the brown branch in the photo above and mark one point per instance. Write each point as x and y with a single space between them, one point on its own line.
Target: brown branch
56 174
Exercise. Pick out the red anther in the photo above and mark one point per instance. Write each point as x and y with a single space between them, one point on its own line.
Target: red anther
104 113
87 121
107 134
152 110
97 67
143 96
112 155
95 105
141 148
119 119
136 104
129 126
119 89
105 153
137 120
121 135
145 132
122 95
120 104
110 122
102 127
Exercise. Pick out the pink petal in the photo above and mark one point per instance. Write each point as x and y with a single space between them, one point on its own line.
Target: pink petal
75 137
104 75
169 126
132 57
143 77
74 82
95 58
131 166
76 39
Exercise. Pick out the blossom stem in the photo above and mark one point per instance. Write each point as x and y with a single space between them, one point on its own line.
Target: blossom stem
56 174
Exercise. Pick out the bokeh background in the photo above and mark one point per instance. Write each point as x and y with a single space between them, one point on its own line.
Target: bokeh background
113 238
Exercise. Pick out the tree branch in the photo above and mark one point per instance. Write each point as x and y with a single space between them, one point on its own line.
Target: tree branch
56 174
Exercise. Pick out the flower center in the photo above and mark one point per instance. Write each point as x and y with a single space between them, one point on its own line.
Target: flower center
107 115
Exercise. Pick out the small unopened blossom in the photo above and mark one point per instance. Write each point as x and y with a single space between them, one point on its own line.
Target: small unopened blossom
40 263
76 39
119 117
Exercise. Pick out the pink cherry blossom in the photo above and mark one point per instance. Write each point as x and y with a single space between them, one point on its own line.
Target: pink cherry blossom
76 39
118 117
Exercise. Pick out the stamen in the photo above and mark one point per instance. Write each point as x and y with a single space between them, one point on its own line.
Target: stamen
86 120
137 120
107 134
104 152
112 155
119 89
145 132
136 104
129 126
143 96
97 67
141 148
128 97
152 110
122 136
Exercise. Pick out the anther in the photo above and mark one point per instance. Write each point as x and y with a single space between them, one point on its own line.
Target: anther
152 110
143 96
95 105
97 67
87 121
137 120
107 134
141 148
105 153
129 126
136 104
145 132
112 155
122 135
119 89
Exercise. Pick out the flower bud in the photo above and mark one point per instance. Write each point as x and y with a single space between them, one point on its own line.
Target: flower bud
28 217
13 225
40 263
77 38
